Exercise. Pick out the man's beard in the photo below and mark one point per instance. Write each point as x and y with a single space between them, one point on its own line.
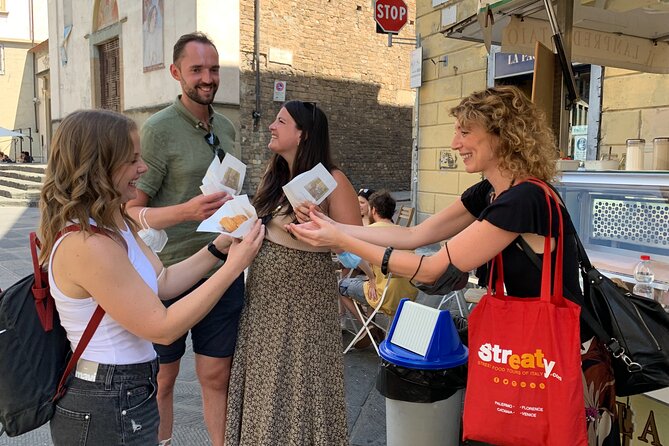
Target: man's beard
195 97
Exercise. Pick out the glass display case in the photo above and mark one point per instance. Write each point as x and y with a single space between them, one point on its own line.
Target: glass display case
620 216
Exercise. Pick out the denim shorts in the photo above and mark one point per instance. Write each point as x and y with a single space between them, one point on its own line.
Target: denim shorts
216 334
353 287
118 408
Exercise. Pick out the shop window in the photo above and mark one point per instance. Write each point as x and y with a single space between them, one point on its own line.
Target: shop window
519 70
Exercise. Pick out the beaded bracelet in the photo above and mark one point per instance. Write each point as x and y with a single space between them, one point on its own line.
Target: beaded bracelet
386 258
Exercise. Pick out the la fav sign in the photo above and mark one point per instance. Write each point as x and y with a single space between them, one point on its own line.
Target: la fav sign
391 15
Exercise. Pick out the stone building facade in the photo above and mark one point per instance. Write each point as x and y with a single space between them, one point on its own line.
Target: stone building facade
22 26
324 51
339 62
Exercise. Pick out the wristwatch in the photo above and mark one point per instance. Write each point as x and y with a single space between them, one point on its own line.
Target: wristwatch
215 252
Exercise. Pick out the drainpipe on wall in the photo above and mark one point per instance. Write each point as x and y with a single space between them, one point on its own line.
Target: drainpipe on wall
414 149
256 61
31 18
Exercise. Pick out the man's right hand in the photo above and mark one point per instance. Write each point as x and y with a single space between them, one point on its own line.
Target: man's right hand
202 207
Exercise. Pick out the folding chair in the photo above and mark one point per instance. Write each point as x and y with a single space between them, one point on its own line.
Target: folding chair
405 213
460 301
364 331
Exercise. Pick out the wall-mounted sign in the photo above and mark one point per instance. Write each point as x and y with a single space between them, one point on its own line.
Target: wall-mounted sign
512 64
279 91
644 420
416 68
281 56
448 160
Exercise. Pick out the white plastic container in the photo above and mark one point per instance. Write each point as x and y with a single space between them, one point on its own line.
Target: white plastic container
644 276
661 153
634 156
431 424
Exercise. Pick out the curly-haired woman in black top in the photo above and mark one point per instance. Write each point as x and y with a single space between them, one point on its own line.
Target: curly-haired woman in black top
501 134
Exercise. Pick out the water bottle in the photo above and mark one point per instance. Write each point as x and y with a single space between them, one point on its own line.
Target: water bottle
644 276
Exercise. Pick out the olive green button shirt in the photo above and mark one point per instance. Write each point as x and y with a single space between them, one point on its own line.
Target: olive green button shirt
177 154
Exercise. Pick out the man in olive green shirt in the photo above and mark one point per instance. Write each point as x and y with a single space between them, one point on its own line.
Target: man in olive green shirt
178 145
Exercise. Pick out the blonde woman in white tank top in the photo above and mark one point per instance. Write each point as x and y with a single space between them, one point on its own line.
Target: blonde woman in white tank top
94 164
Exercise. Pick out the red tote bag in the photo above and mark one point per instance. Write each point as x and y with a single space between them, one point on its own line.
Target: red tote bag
524 384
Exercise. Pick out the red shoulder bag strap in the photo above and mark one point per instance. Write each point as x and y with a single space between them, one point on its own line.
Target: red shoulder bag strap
546 295
83 343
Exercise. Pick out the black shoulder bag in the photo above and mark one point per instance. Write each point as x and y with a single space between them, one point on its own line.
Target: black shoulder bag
634 329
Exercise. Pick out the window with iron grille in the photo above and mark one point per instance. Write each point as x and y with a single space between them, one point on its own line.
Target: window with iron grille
110 75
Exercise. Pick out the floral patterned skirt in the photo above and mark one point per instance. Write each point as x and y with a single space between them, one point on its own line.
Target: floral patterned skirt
600 394
287 382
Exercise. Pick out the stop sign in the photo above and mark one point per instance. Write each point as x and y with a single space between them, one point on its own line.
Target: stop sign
391 15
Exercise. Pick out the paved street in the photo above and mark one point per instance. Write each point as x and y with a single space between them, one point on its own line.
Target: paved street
365 406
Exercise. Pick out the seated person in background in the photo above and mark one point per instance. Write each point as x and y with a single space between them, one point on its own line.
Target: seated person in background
368 291
4 158
25 157
363 201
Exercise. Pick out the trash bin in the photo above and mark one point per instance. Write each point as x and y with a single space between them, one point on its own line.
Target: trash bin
422 375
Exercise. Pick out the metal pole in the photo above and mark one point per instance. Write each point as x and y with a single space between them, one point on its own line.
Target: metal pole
256 61
565 20
414 148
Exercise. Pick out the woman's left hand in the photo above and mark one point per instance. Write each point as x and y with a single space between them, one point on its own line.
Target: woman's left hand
317 232
303 209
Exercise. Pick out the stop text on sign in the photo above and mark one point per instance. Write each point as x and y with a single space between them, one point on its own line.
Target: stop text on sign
391 15
391 12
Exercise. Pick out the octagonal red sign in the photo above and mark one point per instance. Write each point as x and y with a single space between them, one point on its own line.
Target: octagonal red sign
391 15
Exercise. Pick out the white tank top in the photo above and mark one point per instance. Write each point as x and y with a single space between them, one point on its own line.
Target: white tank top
111 343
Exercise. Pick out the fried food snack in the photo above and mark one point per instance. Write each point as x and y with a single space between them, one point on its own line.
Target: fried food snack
230 224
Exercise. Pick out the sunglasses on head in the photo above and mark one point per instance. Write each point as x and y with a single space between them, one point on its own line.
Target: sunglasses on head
215 145
311 104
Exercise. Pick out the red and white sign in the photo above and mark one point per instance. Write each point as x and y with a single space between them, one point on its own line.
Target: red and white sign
391 15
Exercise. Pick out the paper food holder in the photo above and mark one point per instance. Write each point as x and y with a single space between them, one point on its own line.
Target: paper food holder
422 377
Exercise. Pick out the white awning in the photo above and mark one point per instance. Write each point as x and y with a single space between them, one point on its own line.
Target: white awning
631 34
4 132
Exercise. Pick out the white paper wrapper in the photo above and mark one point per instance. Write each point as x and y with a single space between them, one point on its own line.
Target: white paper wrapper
238 205
227 176
313 186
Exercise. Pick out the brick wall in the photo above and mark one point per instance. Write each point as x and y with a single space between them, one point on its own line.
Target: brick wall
342 64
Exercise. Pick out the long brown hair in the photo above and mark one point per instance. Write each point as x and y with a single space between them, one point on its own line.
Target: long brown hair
314 148
87 148
527 144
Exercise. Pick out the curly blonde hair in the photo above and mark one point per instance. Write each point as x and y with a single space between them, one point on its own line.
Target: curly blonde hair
526 142
87 149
